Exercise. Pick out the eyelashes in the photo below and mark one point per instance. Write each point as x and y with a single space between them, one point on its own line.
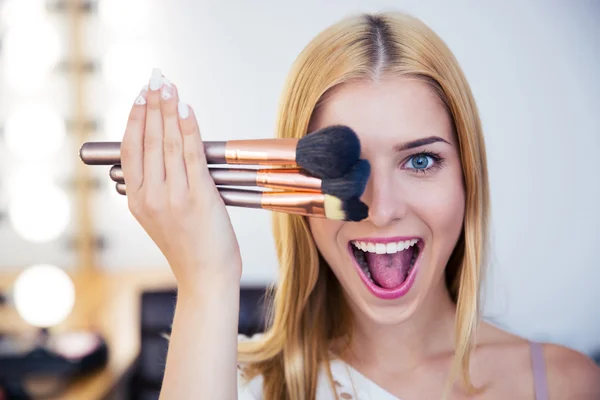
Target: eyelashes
423 162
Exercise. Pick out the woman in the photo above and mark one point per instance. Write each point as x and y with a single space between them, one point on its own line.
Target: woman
385 308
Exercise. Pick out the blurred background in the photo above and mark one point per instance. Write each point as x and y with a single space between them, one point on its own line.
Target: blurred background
79 275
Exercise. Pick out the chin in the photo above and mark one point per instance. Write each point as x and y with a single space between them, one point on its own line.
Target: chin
386 315
386 278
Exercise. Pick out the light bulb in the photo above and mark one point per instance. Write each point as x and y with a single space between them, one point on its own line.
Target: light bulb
18 12
38 211
34 131
30 51
44 295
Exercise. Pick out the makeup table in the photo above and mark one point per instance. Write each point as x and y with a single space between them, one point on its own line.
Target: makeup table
109 303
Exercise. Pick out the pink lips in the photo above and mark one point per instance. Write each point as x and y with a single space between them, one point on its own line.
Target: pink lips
388 294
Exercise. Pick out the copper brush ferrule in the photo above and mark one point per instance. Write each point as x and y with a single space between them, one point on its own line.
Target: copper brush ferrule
257 151
299 203
276 178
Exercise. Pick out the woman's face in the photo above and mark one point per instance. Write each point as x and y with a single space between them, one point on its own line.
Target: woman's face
388 263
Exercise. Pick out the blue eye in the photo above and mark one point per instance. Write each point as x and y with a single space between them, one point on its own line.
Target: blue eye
424 162
421 161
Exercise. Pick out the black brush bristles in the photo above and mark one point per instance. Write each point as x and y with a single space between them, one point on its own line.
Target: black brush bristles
352 184
329 152
355 209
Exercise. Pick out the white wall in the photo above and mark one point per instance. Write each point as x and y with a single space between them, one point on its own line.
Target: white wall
533 69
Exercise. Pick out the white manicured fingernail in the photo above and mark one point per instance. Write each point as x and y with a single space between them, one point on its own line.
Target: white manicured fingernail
166 92
183 109
156 79
141 99
166 81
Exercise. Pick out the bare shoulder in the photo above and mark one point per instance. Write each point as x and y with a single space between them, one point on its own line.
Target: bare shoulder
571 375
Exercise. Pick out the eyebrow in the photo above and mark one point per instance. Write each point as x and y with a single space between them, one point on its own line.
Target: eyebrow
419 143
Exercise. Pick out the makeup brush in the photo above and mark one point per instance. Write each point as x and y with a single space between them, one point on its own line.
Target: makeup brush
352 184
327 153
299 203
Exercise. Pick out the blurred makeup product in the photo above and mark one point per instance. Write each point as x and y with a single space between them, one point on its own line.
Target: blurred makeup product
299 203
327 153
352 184
42 365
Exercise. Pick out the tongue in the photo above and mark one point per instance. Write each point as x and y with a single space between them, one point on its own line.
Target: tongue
389 270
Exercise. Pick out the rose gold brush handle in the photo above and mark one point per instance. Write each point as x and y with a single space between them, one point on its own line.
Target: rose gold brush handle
307 204
109 153
258 151
236 198
277 178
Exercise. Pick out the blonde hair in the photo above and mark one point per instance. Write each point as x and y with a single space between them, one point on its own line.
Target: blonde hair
309 310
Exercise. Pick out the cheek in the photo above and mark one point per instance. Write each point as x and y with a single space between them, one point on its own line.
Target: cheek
325 235
441 205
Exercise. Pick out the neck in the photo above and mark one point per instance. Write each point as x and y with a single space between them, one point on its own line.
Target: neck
428 332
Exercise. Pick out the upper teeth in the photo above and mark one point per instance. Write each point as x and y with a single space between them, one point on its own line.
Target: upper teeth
384 248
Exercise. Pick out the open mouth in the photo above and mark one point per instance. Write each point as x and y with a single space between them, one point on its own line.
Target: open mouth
387 266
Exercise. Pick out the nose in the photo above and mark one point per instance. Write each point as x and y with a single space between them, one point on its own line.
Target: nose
385 204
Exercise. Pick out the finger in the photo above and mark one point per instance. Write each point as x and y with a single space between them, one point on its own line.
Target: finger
154 165
193 147
132 145
176 175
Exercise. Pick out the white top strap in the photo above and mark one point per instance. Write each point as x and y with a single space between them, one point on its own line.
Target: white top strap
348 383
